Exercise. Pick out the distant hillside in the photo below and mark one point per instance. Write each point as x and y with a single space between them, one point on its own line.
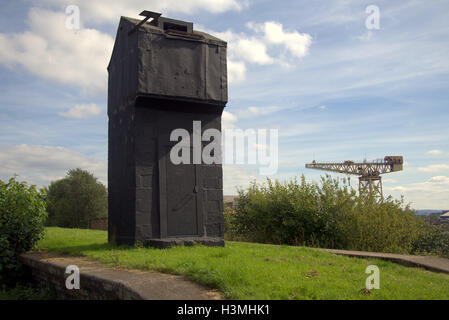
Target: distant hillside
426 212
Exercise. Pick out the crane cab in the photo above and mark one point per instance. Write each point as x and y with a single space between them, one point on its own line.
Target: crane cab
396 162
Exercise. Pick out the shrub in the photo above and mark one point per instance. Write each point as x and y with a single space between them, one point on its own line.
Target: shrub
381 227
329 215
435 240
27 292
76 199
22 220
230 224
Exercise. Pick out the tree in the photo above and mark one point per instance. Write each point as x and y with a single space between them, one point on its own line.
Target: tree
76 199
22 216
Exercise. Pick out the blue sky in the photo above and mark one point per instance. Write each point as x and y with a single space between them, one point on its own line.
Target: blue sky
335 90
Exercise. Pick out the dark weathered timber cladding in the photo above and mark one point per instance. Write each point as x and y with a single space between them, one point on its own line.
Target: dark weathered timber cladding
155 63
160 81
121 191
122 80
154 120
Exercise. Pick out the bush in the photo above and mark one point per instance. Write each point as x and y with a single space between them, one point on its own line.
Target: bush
21 224
328 215
434 241
231 233
27 292
76 199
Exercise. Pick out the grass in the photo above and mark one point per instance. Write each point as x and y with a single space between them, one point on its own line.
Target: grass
257 271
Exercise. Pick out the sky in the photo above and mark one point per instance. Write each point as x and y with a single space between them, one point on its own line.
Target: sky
335 87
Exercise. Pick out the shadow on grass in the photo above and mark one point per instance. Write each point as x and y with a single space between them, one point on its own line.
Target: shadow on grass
79 250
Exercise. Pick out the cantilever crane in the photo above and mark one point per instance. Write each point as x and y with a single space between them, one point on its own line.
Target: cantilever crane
368 172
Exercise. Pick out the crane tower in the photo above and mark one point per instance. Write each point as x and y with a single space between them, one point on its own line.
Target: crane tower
368 172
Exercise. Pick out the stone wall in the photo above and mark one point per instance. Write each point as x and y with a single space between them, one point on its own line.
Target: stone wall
50 274
99 282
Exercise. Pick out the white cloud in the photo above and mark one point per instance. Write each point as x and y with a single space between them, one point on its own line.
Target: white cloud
366 36
238 176
302 129
296 43
236 71
436 152
434 168
228 119
252 50
431 194
81 111
262 47
42 164
255 111
51 51
439 179
242 46
107 11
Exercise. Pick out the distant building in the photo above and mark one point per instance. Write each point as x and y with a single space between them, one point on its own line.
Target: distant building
230 201
445 216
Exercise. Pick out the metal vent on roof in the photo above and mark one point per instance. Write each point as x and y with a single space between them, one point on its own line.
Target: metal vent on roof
148 15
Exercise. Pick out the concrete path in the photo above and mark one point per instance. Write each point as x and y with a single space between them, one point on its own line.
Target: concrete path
430 263
130 284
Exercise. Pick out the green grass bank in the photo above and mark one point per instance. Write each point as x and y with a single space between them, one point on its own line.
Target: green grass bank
258 271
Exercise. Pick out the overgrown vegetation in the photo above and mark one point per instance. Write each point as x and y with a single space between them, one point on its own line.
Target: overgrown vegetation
22 217
258 271
76 199
435 241
26 292
329 215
